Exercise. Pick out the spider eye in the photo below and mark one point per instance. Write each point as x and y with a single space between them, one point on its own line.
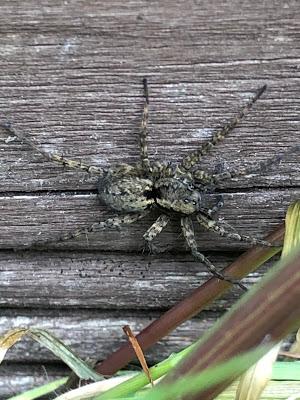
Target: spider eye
186 201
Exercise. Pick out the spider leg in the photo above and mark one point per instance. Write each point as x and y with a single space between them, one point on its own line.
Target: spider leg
73 164
189 235
110 223
217 207
205 178
190 160
155 229
143 131
259 167
214 226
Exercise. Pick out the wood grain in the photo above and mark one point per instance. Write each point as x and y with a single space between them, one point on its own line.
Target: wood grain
106 280
16 378
270 129
26 219
70 78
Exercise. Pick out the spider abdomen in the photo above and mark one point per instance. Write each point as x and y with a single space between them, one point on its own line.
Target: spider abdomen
124 189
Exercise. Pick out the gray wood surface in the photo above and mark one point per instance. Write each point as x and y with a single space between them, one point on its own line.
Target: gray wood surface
94 334
106 280
70 78
18 377
29 218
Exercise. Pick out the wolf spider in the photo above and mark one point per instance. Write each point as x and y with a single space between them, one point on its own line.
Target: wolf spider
180 189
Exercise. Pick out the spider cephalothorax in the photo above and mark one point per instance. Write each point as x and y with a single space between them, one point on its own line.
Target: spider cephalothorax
133 191
177 193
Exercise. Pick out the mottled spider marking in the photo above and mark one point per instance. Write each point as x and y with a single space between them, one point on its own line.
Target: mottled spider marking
123 188
173 189
155 229
143 133
177 194
212 225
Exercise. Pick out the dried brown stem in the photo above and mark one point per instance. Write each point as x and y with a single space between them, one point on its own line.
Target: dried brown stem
288 354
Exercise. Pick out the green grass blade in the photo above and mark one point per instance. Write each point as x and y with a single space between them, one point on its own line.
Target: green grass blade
292 229
80 367
40 391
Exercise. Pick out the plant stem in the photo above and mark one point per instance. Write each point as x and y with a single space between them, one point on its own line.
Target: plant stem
193 304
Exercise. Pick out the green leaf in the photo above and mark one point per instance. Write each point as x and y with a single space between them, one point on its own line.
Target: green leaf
292 229
80 367
40 391
189 385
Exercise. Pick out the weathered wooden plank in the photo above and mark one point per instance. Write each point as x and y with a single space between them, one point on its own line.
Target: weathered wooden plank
28 218
15 378
71 78
105 281
91 333
25 170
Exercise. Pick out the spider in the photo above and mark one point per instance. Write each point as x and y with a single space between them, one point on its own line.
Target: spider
181 189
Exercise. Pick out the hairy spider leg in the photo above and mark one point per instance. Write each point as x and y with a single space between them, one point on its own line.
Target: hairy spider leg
203 177
234 173
73 164
110 223
155 229
190 160
217 207
189 235
143 131
259 167
214 226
